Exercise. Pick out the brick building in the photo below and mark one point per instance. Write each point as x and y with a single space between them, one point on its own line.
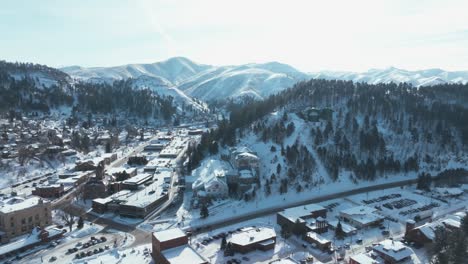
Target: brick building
171 247
19 216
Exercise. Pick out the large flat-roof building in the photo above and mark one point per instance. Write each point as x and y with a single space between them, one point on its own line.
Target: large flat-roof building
19 216
251 239
361 216
171 247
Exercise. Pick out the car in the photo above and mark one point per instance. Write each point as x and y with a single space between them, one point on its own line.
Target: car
52 259
78 256
385 232
101 249
106 247
89 253
381 227
359 240
71 250
304 245
245 258
79 244
103 239
95 251
93 238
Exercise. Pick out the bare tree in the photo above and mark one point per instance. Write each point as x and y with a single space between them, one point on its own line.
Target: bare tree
24 155
67 218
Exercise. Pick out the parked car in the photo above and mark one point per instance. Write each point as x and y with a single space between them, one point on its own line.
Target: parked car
52 259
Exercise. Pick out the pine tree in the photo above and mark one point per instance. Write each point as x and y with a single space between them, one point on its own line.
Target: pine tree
80 223
339 233
223 243
204 211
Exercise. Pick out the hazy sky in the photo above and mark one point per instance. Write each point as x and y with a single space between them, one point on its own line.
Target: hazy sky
310 35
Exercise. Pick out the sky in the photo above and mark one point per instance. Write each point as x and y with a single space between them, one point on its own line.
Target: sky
311 35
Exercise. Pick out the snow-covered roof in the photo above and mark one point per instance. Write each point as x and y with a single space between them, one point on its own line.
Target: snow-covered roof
209 171
362 214
346 228
394 249
183 255
18 203
253 235
318 238
300 211
169 234
138 179
246 155
449 191
363 259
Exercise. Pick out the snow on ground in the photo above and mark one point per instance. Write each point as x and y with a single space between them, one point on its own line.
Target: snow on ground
137 255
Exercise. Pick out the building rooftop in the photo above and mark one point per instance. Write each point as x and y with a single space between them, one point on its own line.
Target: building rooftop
320 239
364 259
362 214
252 235
301 211
169 234
138 179
18 203
183 255
394 249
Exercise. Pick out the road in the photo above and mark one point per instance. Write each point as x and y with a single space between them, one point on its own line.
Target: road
271 210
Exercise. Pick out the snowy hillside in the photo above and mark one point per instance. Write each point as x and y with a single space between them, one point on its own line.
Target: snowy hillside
417 78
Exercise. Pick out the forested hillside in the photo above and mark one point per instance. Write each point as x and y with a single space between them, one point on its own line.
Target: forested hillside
22 88
350 131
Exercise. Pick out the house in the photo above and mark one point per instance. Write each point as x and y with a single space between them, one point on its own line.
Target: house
171 247
425 233
20 216
319 241
361 216
243 158
302 219
250 239
393 252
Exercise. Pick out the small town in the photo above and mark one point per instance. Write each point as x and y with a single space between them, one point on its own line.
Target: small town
229 132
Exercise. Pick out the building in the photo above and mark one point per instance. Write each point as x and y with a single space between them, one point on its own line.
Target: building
319 241
20 216
171 247
393 252
136 182
94 188
251 239
361 216
425 234
244 159
49 191
303 219
137 203
347 229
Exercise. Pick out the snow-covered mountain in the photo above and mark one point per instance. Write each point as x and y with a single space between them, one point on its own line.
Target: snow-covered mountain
172 70
417 78
198 80
206 82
